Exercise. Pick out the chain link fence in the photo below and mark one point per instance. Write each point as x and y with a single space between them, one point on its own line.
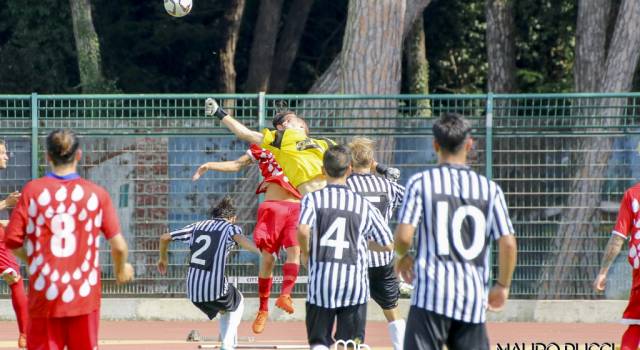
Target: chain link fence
144 149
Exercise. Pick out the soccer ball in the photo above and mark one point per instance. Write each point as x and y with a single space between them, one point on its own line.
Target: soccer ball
178 8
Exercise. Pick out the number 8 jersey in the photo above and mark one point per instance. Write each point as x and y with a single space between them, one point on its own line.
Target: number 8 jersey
341 223
58 220
457 213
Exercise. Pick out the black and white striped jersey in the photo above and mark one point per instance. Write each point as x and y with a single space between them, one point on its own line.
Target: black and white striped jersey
341 223
457 213
385 196
210 242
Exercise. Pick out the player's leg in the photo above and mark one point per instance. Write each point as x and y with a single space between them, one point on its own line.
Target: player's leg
82 331
264 239
351 322
631 338
464 336
319 322
385 291
46 333
291 267
425 330
230 320
9 269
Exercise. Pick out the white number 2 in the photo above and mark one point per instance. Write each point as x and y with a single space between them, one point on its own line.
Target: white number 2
63 241
195 257
339 244
442 230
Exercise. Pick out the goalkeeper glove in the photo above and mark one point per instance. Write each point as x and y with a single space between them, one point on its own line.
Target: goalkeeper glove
211 107
391 174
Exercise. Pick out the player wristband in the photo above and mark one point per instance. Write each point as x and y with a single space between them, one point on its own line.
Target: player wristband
381 169
220 113
502 285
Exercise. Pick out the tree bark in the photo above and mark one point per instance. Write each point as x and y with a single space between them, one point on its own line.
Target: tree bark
329 82
568 272
501 48
417 68
87 47
591 39
287 47
264 44
371 60
230 31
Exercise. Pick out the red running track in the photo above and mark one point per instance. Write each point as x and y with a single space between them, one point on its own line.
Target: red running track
161 335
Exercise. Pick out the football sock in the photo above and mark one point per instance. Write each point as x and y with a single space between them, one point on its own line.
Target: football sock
631 338
229 322
396 331
264 290
20 305
289 276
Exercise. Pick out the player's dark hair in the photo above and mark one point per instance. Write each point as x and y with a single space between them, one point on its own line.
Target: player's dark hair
450 131
336 161
224 209
62 145
279 118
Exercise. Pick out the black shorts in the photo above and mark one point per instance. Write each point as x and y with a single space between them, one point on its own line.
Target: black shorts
427 330
351 321
228 302
384 286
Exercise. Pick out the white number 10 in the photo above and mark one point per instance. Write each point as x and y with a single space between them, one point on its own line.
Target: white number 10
339 244
442 230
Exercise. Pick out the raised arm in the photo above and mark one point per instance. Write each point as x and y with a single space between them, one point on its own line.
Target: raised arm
240 130
230 166
10 201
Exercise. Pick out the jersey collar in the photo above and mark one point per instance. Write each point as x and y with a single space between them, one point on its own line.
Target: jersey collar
71 176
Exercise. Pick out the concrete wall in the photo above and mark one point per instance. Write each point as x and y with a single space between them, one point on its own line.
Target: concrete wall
569 311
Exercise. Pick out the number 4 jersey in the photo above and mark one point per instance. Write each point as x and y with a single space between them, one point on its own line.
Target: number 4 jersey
457 213
58 220
341 223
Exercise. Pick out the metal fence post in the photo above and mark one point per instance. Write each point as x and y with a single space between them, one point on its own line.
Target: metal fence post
34 135
262 110
488 142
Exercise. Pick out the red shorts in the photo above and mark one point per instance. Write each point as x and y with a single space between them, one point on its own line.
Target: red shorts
8 263
276 225
77 332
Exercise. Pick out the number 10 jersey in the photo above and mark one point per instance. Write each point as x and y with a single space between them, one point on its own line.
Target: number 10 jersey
457 213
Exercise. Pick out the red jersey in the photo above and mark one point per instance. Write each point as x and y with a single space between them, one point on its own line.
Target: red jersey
58 220
271 170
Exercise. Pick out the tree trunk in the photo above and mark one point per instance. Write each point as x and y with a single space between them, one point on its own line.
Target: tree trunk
87 47
371 60
329 81
501 48
230 30
568 272
264 44
288 44
591 38
417 68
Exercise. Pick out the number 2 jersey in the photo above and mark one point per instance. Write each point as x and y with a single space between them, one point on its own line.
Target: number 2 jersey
58 220
457 213
342 222
210 242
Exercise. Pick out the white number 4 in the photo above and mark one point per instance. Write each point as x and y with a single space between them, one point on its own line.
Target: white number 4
339 244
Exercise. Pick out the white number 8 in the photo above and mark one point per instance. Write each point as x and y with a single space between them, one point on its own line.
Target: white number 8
63 242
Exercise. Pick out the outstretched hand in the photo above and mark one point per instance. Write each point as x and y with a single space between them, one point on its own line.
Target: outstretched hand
201 170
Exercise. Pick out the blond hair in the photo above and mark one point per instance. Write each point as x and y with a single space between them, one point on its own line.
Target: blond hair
361 152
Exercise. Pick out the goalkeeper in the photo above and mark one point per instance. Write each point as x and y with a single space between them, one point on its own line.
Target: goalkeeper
299 155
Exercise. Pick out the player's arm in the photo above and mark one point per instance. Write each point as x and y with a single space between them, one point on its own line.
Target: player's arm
163 260
502 231
409 217
10 201
390 173
119 253
240 130
246 243
230 166
16 229
304 232
381 238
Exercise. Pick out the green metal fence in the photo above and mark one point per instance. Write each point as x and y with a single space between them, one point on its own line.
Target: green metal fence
539 148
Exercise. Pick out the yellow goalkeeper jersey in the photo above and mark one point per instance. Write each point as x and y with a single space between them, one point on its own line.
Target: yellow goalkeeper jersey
299 155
